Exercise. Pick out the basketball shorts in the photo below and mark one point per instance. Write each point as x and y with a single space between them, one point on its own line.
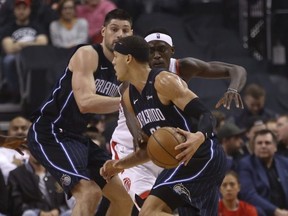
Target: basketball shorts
139 179
194 187
69 157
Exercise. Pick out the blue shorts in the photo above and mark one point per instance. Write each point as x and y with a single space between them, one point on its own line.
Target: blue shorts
69 157
194 187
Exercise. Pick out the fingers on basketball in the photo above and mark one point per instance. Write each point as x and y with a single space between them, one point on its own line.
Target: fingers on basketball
161 147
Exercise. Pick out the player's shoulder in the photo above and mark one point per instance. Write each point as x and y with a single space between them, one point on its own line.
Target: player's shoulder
165 79
165 75
86 50
84 55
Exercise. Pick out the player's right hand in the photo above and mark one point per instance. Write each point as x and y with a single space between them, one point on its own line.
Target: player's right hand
190 146
109 170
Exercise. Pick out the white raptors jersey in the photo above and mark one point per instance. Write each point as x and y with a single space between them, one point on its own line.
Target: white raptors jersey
121 134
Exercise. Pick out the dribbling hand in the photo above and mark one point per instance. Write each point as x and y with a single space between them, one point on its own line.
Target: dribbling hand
190 146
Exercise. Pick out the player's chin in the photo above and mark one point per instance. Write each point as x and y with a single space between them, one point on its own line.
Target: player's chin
119 78
158 65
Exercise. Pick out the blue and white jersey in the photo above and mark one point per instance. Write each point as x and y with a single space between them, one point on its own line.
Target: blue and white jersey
151 113
61 109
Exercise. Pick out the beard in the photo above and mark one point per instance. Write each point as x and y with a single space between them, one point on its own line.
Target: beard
110 47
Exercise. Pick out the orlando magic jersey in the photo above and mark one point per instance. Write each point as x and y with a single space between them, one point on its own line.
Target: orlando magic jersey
151 113
61 107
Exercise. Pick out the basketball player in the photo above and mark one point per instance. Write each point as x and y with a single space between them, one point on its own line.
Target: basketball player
139 180
88 85
195 182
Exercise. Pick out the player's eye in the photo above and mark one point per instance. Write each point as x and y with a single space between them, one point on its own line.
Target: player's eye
161 49
125 31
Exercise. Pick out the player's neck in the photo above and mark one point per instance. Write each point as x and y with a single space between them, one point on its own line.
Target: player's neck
139 76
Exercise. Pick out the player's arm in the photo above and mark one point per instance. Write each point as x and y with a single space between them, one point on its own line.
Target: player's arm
171 89
14 142
140 139
191 67
113 167
83 64
139 156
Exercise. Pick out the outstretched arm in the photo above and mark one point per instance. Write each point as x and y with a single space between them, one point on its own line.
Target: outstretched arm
191 67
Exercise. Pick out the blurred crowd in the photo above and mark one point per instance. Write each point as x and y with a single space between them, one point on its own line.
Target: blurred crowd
255 139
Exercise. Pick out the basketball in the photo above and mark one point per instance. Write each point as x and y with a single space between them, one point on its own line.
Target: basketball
161 147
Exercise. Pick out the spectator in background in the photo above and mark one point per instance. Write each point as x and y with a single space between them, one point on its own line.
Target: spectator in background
3 195
10 159
271 124
40 12
16 36
264 176
230 137
94 11
1 3
253 124
68 30
282 134
33 191
54 4
220 118
229 204
254 99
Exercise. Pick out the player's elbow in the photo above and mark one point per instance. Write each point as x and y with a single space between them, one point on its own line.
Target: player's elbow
83 107
241 70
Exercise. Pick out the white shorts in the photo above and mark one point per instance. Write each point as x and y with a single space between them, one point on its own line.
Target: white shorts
139 179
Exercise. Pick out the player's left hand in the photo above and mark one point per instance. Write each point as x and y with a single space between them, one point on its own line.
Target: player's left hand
14 142
109 170
227 99
190 146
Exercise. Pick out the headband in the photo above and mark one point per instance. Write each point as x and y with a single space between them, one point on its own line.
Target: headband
138 53
160 37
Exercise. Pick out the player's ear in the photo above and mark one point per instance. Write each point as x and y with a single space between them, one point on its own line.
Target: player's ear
129 58
102 30
173 50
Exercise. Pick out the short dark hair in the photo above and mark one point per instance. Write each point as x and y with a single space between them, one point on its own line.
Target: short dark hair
158 30
263 132
117 14
134 45
254 90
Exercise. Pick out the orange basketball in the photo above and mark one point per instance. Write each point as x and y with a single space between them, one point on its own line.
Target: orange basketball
161 147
